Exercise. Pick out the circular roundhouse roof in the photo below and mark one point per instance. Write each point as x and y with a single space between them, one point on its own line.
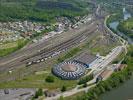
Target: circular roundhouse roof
69 67
69 70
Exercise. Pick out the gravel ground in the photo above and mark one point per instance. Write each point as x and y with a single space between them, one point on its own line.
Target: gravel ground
16 94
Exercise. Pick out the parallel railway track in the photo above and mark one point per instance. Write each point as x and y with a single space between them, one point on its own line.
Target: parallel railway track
49 51
63 46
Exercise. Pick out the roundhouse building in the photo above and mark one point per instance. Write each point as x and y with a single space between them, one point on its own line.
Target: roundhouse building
69 70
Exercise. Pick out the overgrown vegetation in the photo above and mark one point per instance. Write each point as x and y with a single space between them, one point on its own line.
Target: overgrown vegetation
64 88
49 79
38 93
19 45
85 79
69 54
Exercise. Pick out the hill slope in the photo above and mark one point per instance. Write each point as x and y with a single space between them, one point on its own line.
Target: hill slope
40 10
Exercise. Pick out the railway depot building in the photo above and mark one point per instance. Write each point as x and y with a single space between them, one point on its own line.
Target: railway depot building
86 59
74 69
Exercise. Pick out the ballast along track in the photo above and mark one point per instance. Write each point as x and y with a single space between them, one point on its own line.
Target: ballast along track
59 48
49 51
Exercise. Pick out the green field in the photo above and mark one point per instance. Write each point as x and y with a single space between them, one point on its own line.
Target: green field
38 81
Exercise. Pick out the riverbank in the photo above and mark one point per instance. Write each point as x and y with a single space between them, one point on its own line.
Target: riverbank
124 91
119 93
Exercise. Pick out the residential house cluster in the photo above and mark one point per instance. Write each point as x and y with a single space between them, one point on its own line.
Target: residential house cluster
12 31
19 29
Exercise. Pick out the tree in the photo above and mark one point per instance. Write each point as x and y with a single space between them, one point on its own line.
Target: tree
85 79
63 89
61 98
102 89
49 79
85 85
38 93
107 86
121 78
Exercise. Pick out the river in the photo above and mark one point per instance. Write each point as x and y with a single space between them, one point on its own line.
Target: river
125 91
115 24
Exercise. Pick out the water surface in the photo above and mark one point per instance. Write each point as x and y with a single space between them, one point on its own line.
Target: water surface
126 14
114 25
124 92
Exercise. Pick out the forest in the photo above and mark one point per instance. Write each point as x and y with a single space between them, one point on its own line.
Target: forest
41 10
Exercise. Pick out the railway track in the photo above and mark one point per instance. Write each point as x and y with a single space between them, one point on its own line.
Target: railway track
46 53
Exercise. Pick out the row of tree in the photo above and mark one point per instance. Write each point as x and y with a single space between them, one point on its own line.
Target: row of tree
85 79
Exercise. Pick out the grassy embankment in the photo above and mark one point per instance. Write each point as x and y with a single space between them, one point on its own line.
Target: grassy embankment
7 48
38 81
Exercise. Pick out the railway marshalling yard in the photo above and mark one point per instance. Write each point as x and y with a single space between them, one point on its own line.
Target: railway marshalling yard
30 66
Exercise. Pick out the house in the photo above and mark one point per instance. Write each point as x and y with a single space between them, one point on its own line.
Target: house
104 75
51 93
120 67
